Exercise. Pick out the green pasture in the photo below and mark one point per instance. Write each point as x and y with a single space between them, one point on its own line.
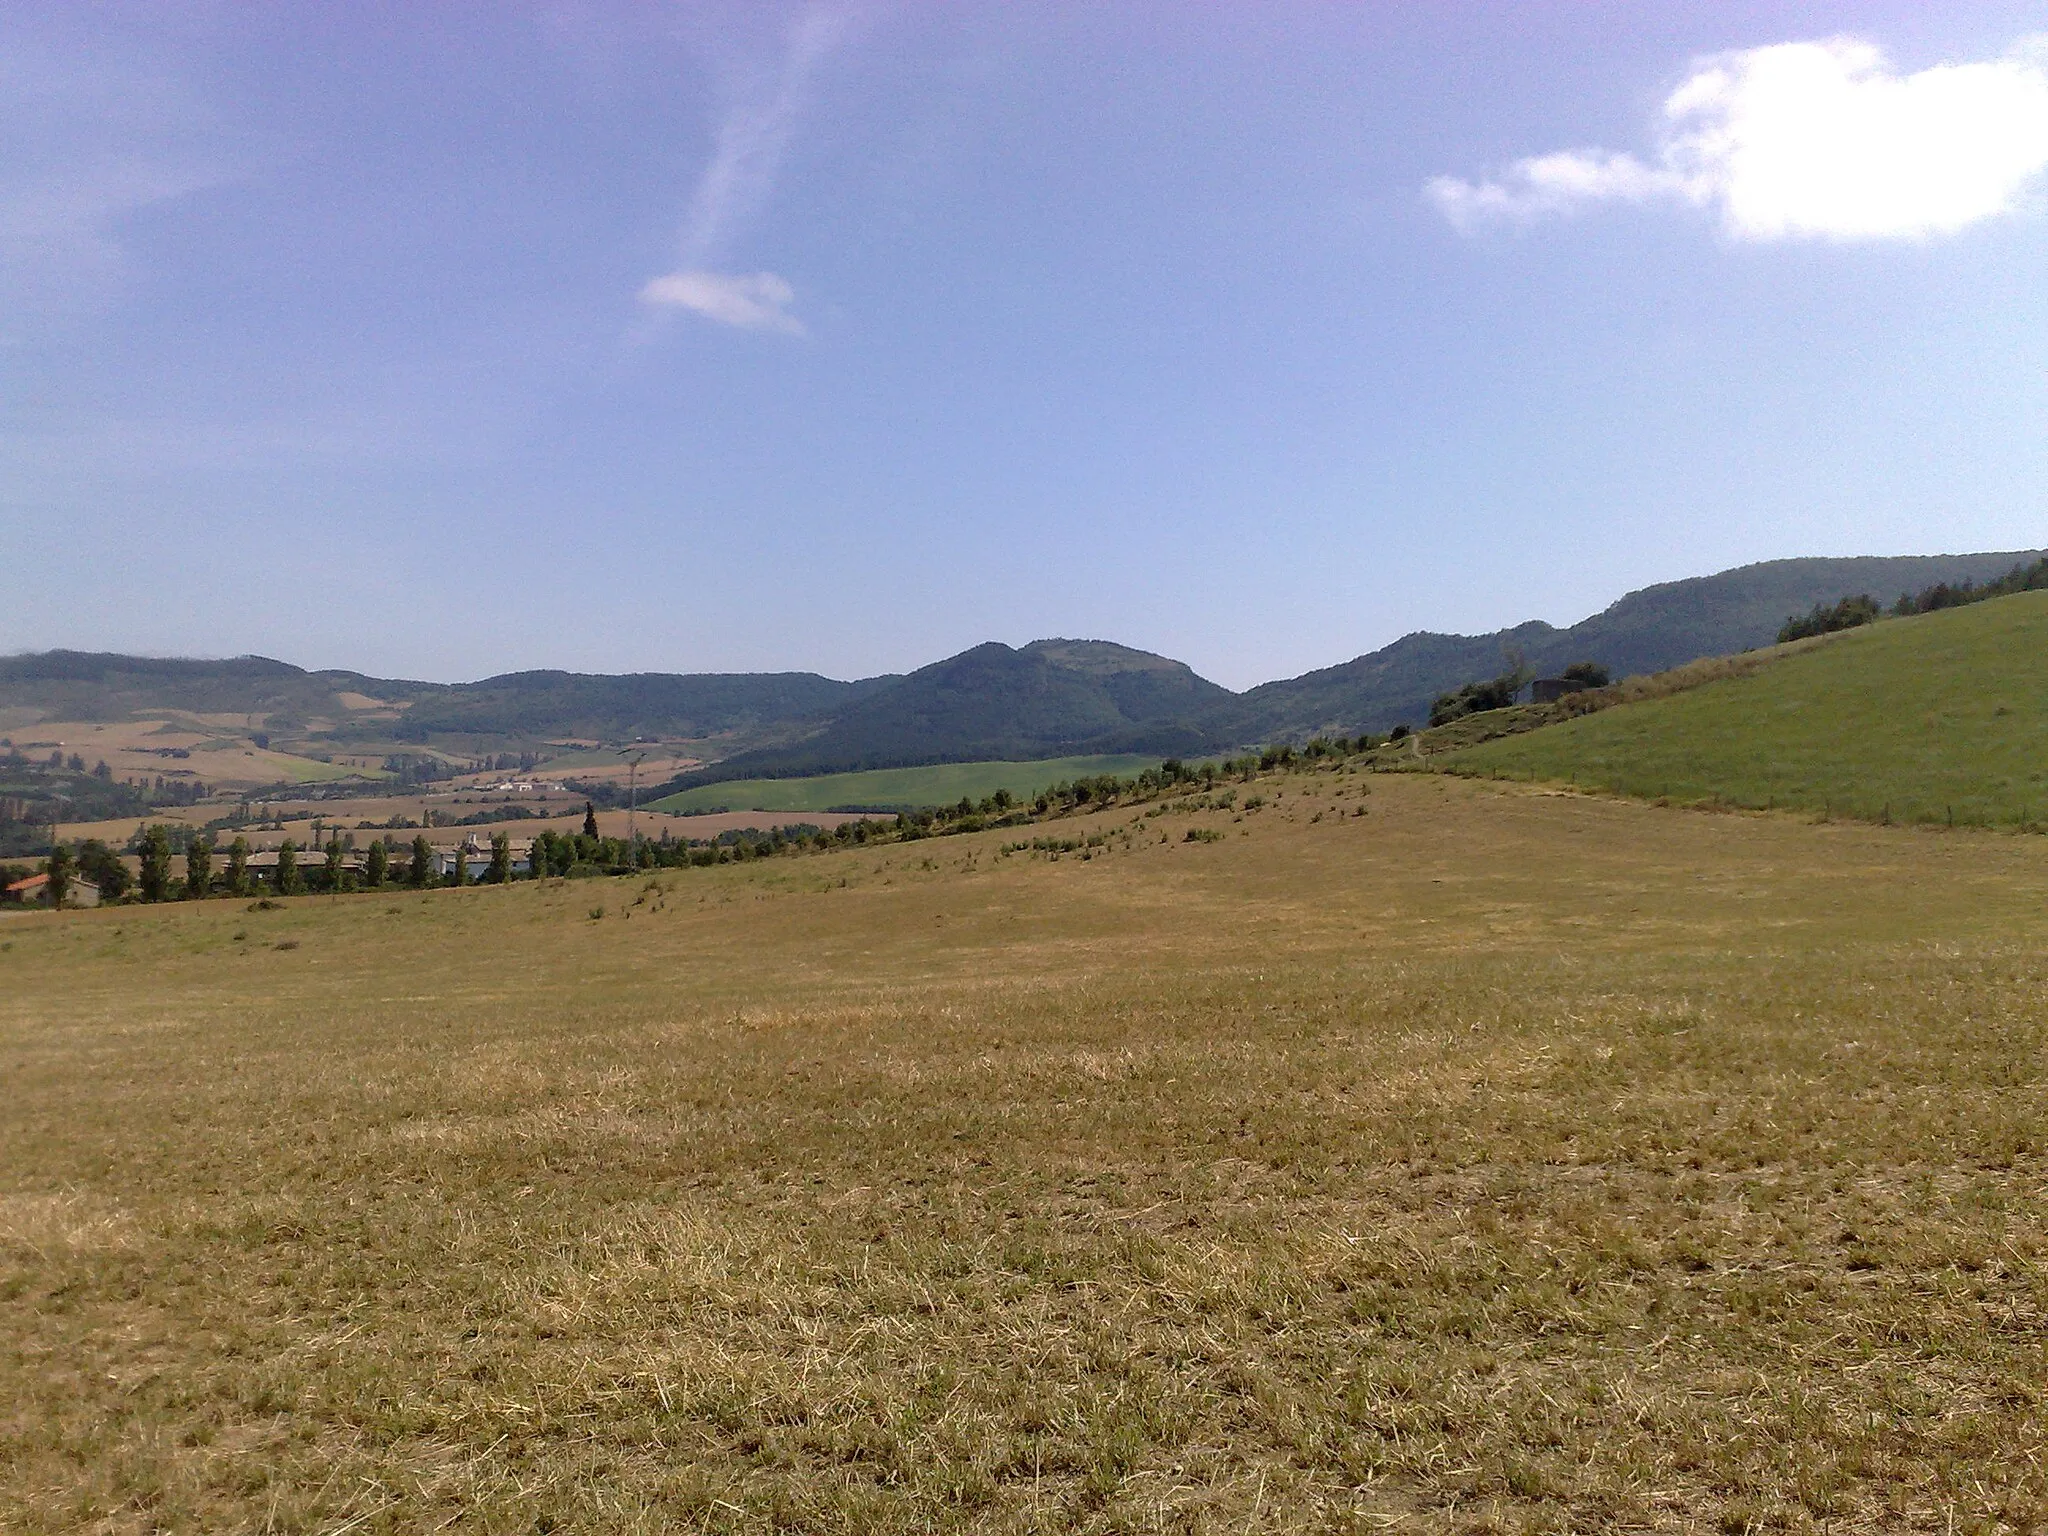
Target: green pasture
1929 719
307 770
939 784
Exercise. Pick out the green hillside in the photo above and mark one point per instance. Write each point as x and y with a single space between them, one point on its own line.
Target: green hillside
941 784
1919 719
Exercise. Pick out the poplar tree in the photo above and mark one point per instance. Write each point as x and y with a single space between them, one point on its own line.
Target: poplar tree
198 868
288 882
501 859
155 879
461 875
422 862
334 865
238 867
59 871
375 864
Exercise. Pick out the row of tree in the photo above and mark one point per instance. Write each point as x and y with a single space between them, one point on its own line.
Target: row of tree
213 871
1861 608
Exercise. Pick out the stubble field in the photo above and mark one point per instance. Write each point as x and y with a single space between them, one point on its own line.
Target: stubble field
1493 1160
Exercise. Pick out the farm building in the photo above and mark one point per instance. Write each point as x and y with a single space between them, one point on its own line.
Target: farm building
35 892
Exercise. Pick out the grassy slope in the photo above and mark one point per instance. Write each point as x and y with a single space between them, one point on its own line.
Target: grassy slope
1494 1161
1948 710
941 784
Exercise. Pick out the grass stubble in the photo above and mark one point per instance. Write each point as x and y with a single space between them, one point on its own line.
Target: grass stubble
1494 1160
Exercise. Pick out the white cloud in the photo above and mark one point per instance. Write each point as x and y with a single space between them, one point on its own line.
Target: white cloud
1808 139
756 302
751 144
753 138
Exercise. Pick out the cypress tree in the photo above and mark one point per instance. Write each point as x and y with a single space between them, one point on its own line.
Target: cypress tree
199 869
238 867
334 865
590 821
422 862
59 871
375 864
155 879
461 875
288 881
501 859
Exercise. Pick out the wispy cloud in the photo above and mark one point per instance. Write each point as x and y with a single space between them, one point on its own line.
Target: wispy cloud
88 148
756 302
748 153
1814 139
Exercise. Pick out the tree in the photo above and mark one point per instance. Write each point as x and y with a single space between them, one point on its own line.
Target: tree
590 821
1849 613
198 868
336 869
155 879
500 872
461 875
541 855
1589 673
238 867
376 863
59 870
103 867
422 863
288 881
1475 698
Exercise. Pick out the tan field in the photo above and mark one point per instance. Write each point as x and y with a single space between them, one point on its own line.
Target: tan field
216 748
1491 1161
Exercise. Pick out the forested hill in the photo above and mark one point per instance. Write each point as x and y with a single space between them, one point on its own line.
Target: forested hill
1050 698
1046 699
1647 631
520 706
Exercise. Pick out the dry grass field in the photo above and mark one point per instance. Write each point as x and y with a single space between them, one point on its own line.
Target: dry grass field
1494 1160
216 752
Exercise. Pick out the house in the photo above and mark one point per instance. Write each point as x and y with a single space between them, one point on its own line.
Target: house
35 891
476 853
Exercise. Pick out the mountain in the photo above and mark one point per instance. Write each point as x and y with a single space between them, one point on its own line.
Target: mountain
91 685
1647 631
1050 698
350 707
1046 699
555 705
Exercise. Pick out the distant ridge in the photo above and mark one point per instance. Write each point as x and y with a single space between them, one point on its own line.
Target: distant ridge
1051 698
1649 630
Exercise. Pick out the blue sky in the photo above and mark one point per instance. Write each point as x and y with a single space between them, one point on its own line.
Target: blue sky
444 341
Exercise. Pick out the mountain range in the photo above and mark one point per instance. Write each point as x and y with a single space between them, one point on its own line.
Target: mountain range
1049 698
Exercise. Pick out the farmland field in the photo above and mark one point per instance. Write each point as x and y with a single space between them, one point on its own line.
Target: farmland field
940 784
1414 1154
1938 717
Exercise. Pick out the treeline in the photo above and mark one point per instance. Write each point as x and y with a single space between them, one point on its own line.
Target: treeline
1860 609
211 871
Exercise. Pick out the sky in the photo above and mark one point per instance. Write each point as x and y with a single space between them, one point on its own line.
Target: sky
439 341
